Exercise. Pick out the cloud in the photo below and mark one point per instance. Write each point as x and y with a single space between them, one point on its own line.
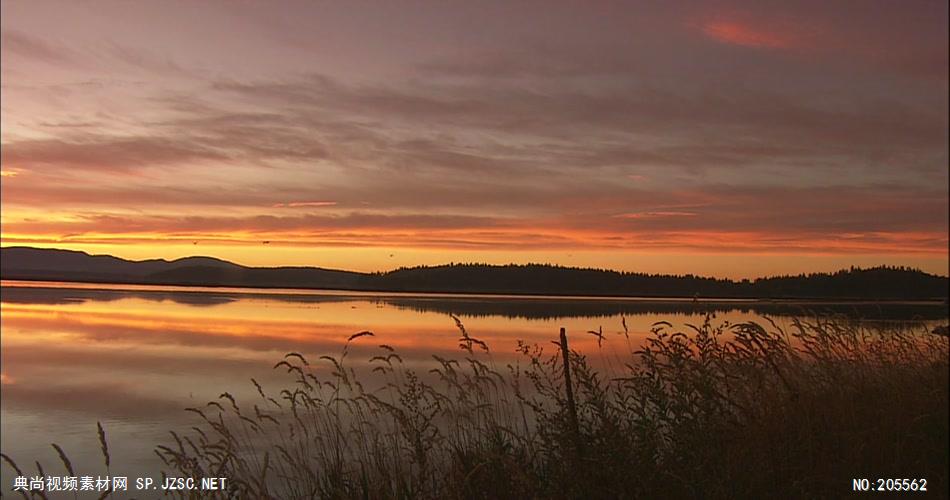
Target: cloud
269 224
508 130
719 218
837 36
144 59
103 153
820 132
737 33
769 122
304 204
645 215
32 48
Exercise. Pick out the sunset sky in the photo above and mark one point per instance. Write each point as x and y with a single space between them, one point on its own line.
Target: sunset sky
730 139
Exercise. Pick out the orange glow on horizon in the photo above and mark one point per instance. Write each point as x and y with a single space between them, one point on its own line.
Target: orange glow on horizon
739 264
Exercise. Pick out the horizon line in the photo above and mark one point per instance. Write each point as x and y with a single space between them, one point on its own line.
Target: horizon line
453 263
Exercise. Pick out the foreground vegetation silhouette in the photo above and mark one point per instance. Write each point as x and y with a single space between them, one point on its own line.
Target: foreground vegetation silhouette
720 411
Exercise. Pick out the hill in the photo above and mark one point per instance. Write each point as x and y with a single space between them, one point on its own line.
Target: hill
879 283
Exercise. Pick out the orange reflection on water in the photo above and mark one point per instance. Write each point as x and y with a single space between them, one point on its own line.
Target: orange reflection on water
137 356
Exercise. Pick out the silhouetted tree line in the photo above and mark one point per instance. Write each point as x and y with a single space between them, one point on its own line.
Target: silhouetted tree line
884 282
877 282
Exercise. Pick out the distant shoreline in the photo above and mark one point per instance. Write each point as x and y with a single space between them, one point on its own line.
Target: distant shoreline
857 285
277 290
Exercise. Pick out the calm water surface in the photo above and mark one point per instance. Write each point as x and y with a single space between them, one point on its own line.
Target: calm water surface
133 357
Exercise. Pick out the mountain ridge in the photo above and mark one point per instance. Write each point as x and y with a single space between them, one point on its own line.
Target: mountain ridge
28 263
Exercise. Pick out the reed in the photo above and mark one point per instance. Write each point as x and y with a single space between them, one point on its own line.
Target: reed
711 411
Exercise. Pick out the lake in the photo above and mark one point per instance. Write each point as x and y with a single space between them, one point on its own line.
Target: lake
133 357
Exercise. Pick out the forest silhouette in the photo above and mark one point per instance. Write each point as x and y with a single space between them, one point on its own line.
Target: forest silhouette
877 283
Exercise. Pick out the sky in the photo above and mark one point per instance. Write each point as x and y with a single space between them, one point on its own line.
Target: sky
732 139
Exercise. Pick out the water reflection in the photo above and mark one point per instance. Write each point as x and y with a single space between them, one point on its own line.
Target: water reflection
596 308
134 357
475 305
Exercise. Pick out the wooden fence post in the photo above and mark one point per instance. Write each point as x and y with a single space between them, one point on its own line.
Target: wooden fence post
569 389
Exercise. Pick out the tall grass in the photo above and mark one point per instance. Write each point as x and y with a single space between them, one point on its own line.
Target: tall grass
718 411
715 411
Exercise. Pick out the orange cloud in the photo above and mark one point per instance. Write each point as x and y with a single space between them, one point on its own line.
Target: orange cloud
299 204
737 33
645 215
